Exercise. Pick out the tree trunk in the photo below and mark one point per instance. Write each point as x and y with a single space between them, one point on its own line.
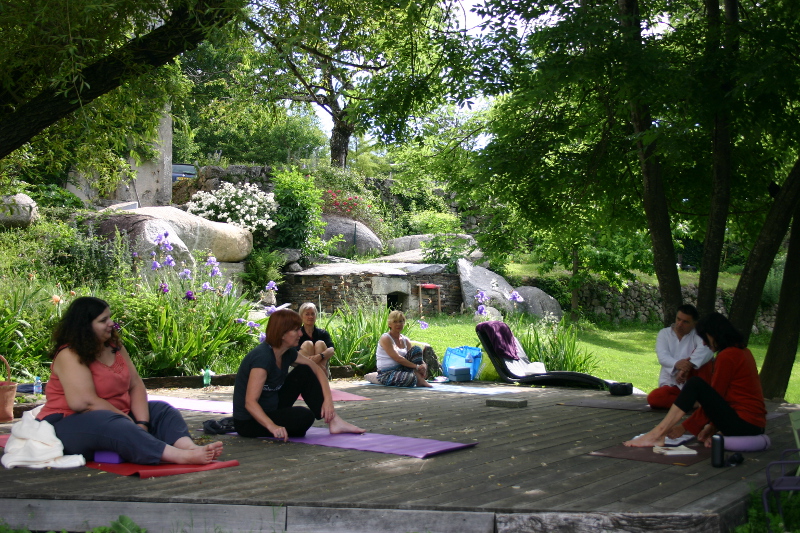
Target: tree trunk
747 297
782 349
340 141
183 31
720 60
654 198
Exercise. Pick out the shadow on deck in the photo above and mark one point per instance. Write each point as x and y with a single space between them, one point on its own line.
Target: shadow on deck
530 472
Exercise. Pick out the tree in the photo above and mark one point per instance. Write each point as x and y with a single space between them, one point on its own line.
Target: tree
223 114
86 51
340 55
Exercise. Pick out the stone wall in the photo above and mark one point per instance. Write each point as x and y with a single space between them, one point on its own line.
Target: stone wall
329 292
642 303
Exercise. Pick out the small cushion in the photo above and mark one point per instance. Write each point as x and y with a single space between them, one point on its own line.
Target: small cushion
107 456
750 443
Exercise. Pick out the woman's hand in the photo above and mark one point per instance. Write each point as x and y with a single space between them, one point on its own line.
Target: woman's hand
327 411
423 370
279 432
706 433
676 431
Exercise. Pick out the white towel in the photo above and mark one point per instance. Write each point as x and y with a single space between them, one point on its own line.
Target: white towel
34 444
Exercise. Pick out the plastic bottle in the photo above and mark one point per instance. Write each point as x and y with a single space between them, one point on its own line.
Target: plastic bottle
717 451
468 358
206 377
37 385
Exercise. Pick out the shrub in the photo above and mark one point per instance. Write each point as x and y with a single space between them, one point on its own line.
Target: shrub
245 206
446 250
262 267
433 222
553 343
772 287
299 219
356 332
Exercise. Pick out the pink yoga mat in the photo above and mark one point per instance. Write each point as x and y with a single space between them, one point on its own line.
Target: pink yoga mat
148 471
214 406
376 442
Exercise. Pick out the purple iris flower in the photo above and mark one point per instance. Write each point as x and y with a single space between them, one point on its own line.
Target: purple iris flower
169 261
212 261
228 288
481 309
272 286
423 324
190 296
240 320
164 287
271 309
253 325
515 297
155 266
481 297
215 272
186 274
207 286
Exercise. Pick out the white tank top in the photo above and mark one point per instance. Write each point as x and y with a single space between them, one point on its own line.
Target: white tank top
383 359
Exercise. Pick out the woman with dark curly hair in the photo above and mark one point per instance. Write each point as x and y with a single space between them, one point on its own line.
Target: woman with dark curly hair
733 404
97 401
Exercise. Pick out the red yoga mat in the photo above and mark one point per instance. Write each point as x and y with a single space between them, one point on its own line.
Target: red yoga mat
164 469
3 440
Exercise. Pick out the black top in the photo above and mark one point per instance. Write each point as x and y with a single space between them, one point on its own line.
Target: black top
262 356
319 335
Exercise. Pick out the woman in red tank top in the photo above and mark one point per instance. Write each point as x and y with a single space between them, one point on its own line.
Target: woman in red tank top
96 399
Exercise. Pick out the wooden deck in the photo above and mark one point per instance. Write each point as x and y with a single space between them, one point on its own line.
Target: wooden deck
529 472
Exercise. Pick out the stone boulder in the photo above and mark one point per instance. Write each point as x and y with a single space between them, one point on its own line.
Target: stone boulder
226 242
475 278
490 313
414 242
539 303
18 211
355 234
143 230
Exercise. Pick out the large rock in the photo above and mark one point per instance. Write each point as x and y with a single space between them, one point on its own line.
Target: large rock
355 234
226 242
537 302
414 242
475 278
18 211
143 230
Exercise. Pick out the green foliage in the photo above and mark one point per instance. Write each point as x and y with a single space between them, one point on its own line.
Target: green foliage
447 250
553 343
772 288
121 525
757 519
348 192
244 205
433 222
261 267
53 195
355 331
299 217
26 314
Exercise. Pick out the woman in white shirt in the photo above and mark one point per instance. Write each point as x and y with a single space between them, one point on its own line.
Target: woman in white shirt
400 364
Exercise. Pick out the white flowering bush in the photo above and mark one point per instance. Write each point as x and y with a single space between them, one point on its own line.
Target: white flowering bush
245 206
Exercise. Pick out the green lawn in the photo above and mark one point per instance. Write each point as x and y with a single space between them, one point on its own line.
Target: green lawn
625 353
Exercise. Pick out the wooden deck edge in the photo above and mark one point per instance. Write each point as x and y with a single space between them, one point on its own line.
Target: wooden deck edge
81 515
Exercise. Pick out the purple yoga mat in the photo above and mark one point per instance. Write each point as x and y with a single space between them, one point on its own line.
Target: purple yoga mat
376 442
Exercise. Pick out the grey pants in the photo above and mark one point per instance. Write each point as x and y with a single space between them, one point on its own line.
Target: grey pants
85 433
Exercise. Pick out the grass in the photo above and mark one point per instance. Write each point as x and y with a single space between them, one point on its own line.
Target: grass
532 270
624 353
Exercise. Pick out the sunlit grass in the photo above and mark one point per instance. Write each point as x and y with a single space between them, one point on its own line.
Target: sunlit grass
624 353
726 281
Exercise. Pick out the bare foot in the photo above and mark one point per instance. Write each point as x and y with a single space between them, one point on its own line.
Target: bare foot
186 443
423 383
338 425
199 455
647 440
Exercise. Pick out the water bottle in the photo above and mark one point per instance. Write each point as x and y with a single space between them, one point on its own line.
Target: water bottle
37 385
206 377
468 358
717 451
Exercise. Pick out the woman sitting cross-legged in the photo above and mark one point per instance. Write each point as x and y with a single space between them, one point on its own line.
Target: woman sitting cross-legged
266 387
97 401
733 404
315 343
400 364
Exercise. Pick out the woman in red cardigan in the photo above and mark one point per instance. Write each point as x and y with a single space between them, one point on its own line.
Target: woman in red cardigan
733 404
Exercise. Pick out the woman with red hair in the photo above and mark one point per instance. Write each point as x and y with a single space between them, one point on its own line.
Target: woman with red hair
266 388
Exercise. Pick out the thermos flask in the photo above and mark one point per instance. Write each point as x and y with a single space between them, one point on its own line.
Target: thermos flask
717 451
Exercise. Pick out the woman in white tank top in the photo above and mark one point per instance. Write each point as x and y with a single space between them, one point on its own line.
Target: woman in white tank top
400 364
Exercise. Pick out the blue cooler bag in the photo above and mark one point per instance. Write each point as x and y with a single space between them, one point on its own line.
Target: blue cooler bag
463 356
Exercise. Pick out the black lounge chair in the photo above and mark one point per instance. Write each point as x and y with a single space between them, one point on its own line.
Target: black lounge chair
498 341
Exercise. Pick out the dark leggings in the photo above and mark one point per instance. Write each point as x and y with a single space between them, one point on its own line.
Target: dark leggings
722 415
295 419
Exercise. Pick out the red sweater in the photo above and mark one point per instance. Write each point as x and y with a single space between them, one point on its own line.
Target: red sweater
735 378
